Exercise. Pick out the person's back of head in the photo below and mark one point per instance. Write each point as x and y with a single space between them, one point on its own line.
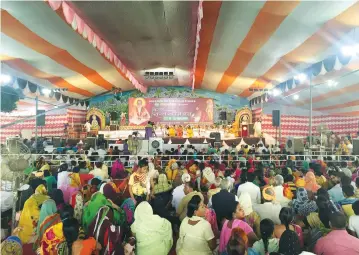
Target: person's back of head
47 173
355 207
98 164
238 242
345 180
226 184
266 229
82 164
76 169
289 243
63 167
343 164
189 187
67 212
70 230
193 205
286 216
251 177
323 192
348 190
337 221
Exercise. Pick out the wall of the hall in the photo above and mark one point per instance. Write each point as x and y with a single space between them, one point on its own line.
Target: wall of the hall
54 123
223 102
295 122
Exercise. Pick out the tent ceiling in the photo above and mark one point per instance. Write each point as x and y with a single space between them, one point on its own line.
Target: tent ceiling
244 44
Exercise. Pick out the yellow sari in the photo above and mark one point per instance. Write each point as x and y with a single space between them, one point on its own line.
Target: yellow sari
30 214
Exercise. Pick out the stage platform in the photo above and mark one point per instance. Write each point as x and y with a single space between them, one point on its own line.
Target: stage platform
123 134
229 142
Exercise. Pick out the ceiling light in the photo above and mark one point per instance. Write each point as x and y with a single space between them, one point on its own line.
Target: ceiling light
296 97
348 50
332 83
276 92
46 91
300 77
4 78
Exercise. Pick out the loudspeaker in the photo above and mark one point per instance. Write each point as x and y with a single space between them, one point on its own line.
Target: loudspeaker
101 137
223 116
216 136
251 129
276 118
113 115
57 142
40 120
356 147
155 144
90 142
294 145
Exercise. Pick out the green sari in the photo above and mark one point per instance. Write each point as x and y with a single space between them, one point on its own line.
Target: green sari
97 201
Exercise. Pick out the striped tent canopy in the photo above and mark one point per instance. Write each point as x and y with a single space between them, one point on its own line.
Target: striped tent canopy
235 47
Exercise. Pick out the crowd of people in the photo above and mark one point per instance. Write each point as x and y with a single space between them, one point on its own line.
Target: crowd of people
195 206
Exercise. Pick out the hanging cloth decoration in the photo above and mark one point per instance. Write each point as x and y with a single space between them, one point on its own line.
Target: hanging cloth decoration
32 87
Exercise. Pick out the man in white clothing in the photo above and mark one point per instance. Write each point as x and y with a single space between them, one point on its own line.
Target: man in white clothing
269 209
178 192
252 189
278 190
87 126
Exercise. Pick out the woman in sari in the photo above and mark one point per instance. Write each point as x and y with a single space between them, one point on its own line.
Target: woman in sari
72 243
196 235
30 214
286 217
58 196
12 245
99 200
311 182
153 233
302 204
108 234
48 218
63 181
250 217
54 235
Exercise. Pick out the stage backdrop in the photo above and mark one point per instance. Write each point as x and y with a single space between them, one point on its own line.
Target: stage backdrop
170 111
118 105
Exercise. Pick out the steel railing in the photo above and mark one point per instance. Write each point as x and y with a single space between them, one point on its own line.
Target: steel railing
129 160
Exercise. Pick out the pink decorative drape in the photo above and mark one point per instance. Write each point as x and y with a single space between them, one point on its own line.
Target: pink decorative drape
199 19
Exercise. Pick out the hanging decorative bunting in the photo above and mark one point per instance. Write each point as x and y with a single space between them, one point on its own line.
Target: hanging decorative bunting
64 98
329 63
79 25
290 84
57 96
316 68
22 83
71 100
32 87
337 65
344 60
